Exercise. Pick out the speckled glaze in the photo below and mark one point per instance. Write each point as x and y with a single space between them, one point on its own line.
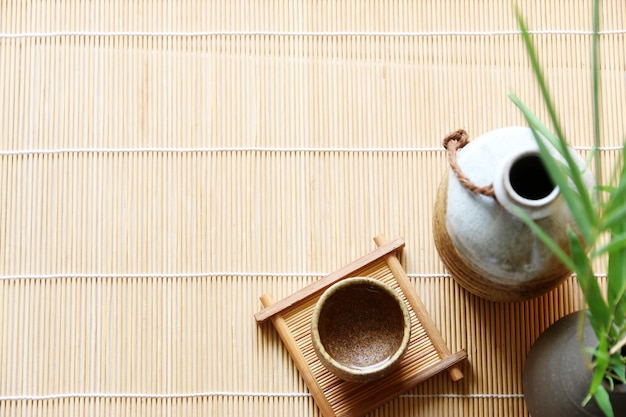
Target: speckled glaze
486 247
360 329
556 377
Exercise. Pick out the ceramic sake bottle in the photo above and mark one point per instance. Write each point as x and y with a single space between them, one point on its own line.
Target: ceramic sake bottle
486 247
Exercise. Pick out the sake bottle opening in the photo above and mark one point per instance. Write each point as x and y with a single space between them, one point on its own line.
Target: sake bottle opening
529 178
524 183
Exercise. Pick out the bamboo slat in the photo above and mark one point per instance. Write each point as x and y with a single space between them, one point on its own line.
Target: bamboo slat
162 163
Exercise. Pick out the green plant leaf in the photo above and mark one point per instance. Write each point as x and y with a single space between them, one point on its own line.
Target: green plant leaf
592 156
615 221
616 282
596 211
604 402
601 365
616 217
534 122
575 173
595 73
616 244
585 219
605 188
546 239
617 368
618 192
600 315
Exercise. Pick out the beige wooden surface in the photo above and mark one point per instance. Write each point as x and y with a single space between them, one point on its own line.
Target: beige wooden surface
164 163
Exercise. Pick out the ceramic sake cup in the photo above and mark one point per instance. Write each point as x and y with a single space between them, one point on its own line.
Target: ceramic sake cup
360 329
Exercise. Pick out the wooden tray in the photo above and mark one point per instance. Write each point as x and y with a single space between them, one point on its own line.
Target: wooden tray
426 356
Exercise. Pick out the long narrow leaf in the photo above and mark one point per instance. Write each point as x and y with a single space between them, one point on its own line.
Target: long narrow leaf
619 191
584 219
616 217
547 240
600 315
616 298
596 80
563 149
534 60
596 211
591 156
616 284
534 122
617 243
604 402
614 207
601 366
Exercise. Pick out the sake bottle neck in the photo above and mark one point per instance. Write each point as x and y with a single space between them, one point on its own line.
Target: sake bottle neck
522 182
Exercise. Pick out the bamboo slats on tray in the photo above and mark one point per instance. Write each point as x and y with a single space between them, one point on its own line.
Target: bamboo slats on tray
163 163
427 354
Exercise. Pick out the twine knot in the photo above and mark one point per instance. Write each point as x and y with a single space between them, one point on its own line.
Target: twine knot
459 139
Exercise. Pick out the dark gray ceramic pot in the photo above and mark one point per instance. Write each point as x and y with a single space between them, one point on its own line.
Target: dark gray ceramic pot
556 379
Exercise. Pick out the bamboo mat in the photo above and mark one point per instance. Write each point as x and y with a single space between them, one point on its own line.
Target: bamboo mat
164 163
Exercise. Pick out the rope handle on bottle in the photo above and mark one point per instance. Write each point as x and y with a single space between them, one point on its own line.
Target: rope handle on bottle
452 143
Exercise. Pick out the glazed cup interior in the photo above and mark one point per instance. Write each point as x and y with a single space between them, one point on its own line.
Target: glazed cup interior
360 329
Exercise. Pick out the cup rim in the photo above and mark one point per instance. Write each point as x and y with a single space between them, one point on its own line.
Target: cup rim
337 367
